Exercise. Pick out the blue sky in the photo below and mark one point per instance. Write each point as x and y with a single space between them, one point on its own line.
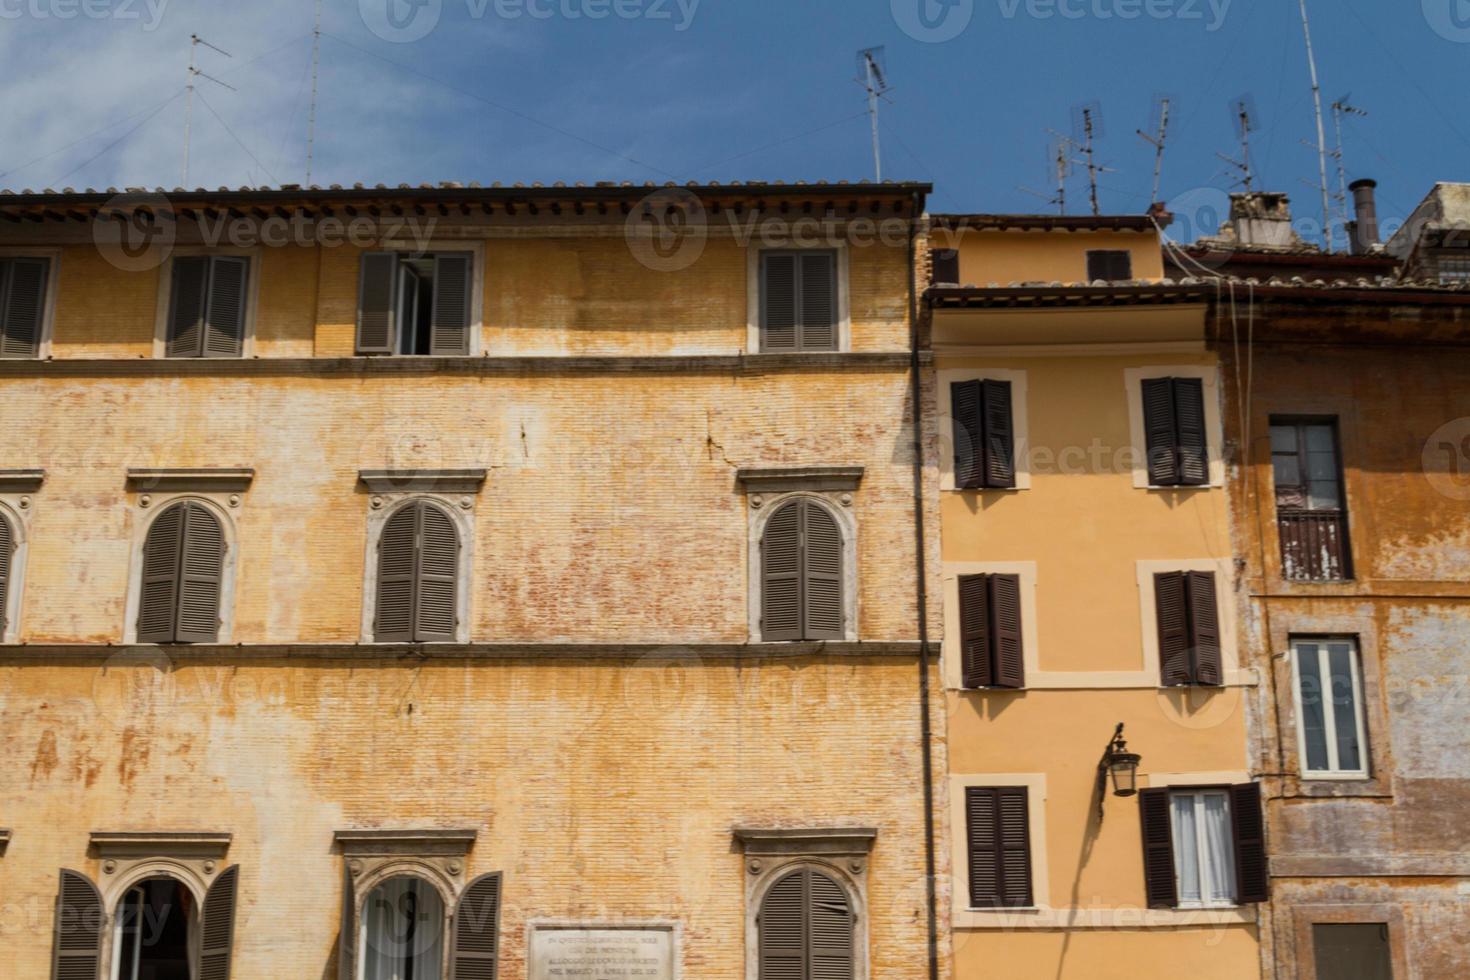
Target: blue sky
524 90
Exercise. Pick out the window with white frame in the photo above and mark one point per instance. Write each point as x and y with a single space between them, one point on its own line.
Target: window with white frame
1204 852
1330 724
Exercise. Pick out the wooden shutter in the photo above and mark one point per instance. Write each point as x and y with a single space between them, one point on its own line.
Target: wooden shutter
473 955
77 954
201 567
437 564
1204 628
449 331
829 928
1158 849
186 310
944 266
7 549
967 408
1171 609
778 302
393 619
218 927
821 574
224 334
975 660
1109 265
818 301
1248 824
1000 440
782 929
781 574
377 295
1005 619
1159 429
157 603
998 841
1189 416
22 306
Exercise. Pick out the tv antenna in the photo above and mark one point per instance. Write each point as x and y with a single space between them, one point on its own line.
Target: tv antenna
1243 112
1059 163
870 63
1088 120
1321 132
1157 141
194 41
316 60
1341 108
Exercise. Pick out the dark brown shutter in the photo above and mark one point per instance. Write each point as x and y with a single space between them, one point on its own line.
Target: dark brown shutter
79 920
781 574
1248 824
7 549
201 566
449 333
1189 416
377 294
1015 846
393 620
1204 629
782 928
966 406
945 266
1171 608
998 841
1159 430
218 929
438 567
1158 849
1000 439
224 334
830 928
22 306
1005 620
975 660
818 301
778 302
476 930
822 574
157 603
186 310
1109 265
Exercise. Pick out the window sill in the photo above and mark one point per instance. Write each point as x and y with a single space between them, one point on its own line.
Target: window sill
1335 777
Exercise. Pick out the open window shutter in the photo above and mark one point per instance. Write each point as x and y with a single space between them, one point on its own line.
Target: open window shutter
778 302
829 928
1249 827
966 406
1204 628
822 570
186 310
201 568
1189 415
781 574
1014 846
982 846
1005 620
450 331
782 927
377 294
476 930
438 567
818 301
1000 440
975 631
393 622
1158 849
1159 432
1171 610
224 334
7 549
22 305
944 266
79 920
218 930
158 601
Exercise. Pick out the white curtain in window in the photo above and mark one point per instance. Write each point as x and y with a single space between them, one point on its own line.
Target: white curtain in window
1218 872
402 932
1186 847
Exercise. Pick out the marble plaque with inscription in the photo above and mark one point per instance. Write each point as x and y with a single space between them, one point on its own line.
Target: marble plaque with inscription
607 953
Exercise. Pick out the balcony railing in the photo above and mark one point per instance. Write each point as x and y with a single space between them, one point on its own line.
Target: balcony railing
1314 546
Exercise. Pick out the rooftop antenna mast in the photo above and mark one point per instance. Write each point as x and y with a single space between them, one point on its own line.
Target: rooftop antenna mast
1060 164
316 60
1244 113
194 41
1157 142
1089 122
1321 131
870 63
1342 108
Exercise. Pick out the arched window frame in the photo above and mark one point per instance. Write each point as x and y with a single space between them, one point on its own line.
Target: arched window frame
150 507
15 510
381 507
840 505
762 873
420 870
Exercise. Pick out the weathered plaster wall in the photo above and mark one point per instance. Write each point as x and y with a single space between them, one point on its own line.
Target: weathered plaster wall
1005 257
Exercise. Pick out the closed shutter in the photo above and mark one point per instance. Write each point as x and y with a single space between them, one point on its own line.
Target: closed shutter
1158 849
201 565
1005 607
476 931
1000 440
1171 608
218 930
1204 629
393 622
224 334
7 549
1189 415
818 301
975 660
966 406
822 574
1109 265
449 333
438 567
157 604
778 302
782 930
376 300
22 306
781 574
1159 429
186 310
1248 824
830 927
79 919
945 266
998 841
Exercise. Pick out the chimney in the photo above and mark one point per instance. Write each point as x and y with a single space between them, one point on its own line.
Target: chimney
1363 230
1263 219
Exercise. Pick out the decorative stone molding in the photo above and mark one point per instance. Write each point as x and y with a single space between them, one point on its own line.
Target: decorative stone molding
229 480
814 479
21 481
423 481
369 851
122 853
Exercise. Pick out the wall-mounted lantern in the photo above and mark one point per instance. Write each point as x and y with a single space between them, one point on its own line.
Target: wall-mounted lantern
1118 766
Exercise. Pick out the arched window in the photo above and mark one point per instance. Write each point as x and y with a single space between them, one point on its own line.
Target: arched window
7 553
801 574
418 571
806 929
402 932
183 568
